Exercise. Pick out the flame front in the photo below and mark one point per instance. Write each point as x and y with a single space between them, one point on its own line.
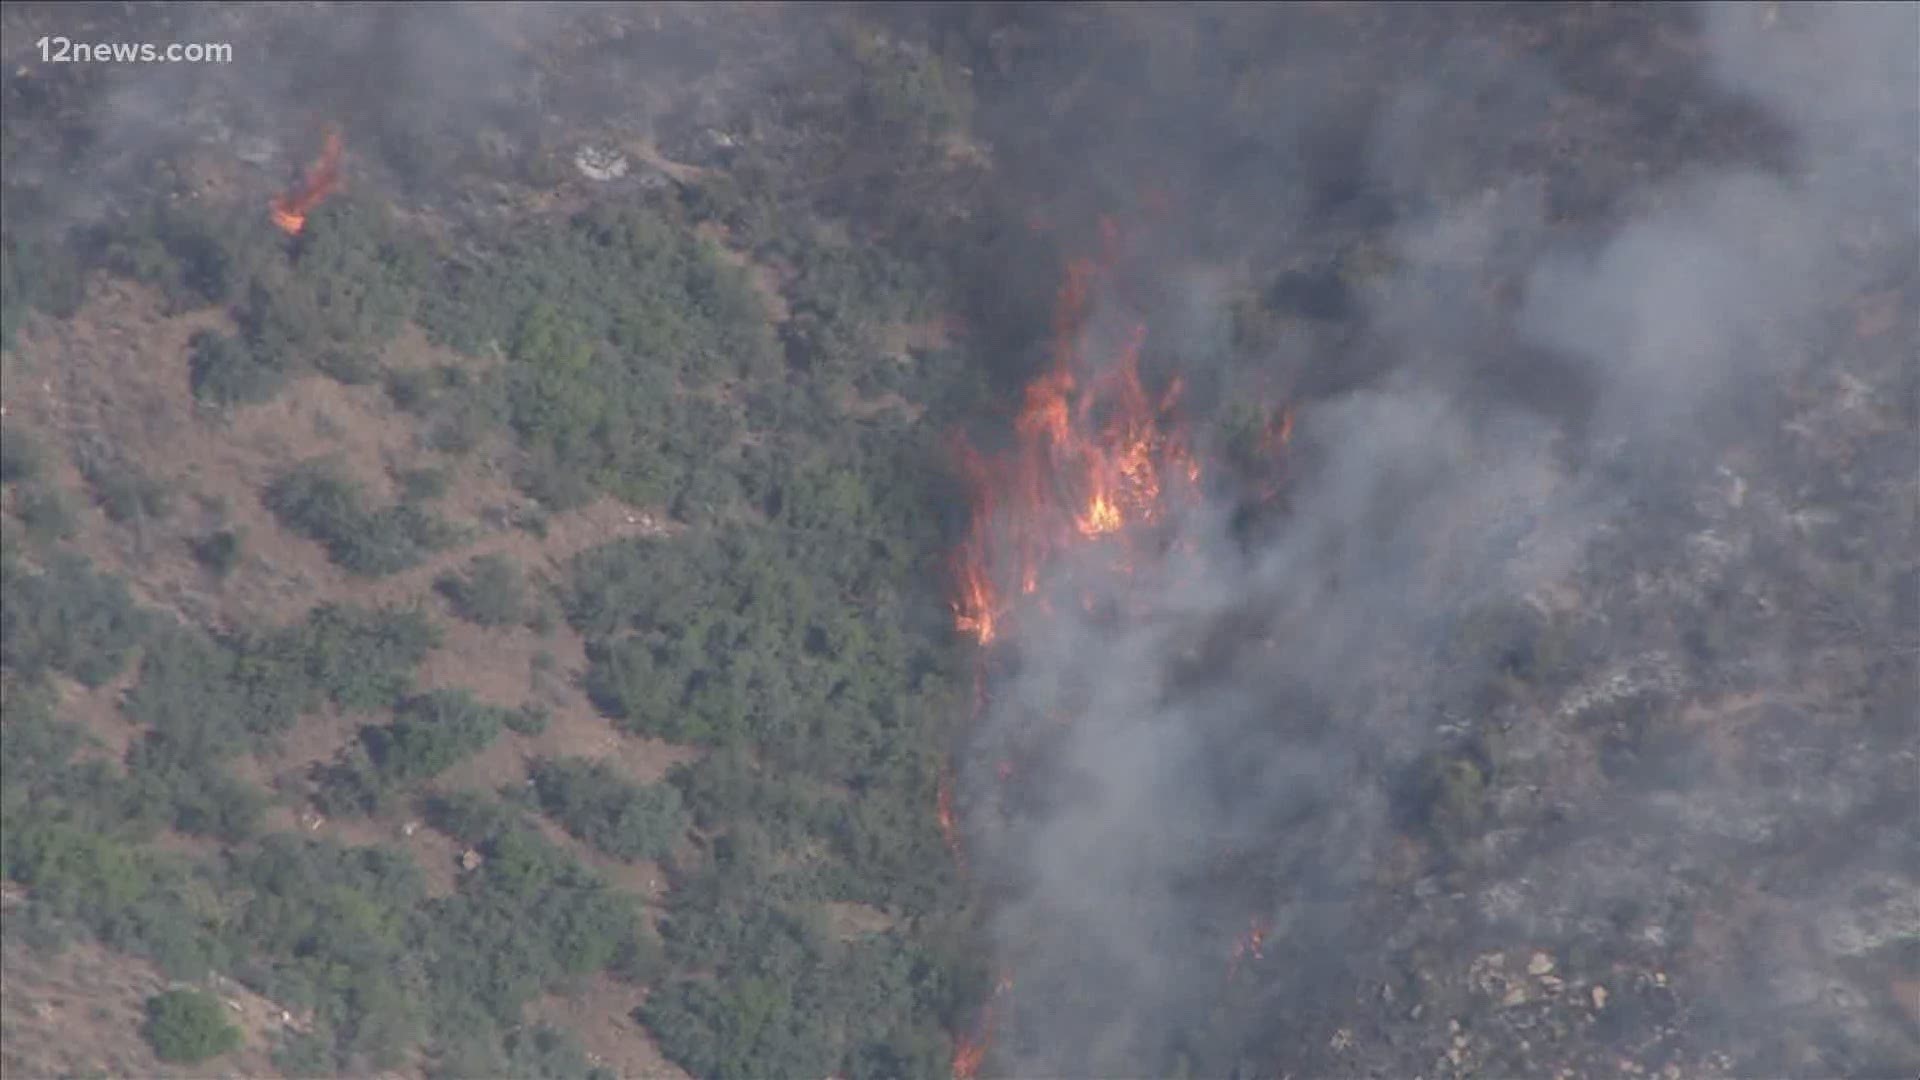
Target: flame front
1096 460
1095 456
970 1050
289 211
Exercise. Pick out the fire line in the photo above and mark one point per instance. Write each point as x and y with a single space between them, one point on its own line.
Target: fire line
1096 460
289 211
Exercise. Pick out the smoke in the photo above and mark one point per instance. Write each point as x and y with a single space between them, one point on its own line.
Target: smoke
435 105
1535 400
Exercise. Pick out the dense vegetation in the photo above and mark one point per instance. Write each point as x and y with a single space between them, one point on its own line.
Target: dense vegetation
794 635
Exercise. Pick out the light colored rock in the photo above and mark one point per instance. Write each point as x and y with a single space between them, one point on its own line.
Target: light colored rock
600 163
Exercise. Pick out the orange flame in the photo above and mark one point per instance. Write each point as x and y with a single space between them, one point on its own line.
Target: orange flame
1273 443
1096 455
949 823
970 1050
1096 458
1251 944
289 211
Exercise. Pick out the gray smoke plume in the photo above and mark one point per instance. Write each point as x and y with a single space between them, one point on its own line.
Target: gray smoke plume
1573 416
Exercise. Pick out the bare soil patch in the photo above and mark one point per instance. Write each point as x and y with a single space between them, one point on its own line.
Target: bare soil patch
80 1011
600 1015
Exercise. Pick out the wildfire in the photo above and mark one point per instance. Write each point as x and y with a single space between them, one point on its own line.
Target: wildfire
1249 945
289 211
970 1050
1096 455
1278 431
949 825
1273 444
1096 459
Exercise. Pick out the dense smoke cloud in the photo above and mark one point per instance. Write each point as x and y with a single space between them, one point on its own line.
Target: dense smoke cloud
1237 740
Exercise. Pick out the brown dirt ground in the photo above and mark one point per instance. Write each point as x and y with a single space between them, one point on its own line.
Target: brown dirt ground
97 711
80 1011
850 921
768 280
600 1015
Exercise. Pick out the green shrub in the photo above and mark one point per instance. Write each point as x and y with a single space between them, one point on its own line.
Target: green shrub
602 321
210 698
1445 795
225 370
912 96
529 720
126 492
433 732
317 500
332 930
186 1027
219 551
352 283
411 389
491 593
46 514
194 256
68 619
191 793
43 272
596 804
424 485
544 1053
530 916
21 455
361 659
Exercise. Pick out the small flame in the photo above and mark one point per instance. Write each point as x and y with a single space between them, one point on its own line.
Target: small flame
949 821
1249 945
1273 444
970 1050
1278 433
289 211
